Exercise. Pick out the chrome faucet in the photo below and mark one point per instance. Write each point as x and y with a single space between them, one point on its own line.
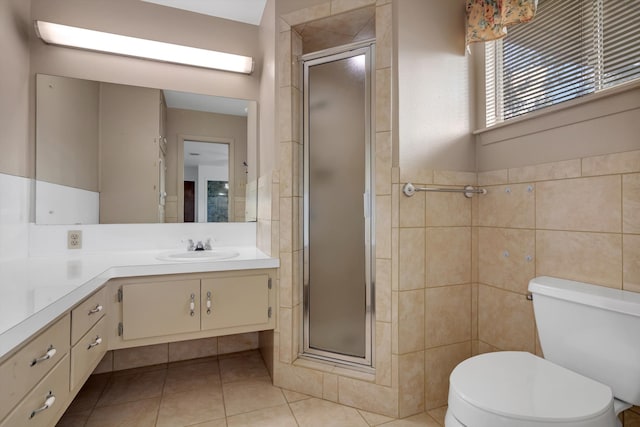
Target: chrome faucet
199 246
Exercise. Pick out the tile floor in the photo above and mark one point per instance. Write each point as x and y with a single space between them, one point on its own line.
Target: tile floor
227 391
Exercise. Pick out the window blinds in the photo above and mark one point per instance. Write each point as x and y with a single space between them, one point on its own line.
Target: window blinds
570 49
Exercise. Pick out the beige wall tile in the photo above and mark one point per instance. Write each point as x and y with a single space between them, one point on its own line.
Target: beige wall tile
302 380
631 263
559 170
611 163
483 348
411 371
474 253
383 100
395 202
546 171
582 204
238 342
506 258
370 397
286 169
330 387
285 99
496 177
286 224
410 321
395 262
383 353
286 279
384 36
309 14
439 362
631 203
383 162
505 319
285 327
507 206
416 176
448 255
447 209
447 315
411 254
412 210
522 174
136 357
383 290
193 349
474 311
284 48
383 227
298 267
340 6
454 178
586 257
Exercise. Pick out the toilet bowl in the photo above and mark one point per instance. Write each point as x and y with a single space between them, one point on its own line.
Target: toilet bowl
590 373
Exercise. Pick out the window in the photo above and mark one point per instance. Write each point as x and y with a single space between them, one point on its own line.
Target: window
571 48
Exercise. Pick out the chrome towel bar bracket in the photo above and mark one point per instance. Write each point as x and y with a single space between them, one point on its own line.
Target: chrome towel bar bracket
469 190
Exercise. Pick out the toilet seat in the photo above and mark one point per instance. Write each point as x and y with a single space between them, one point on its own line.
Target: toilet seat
518 389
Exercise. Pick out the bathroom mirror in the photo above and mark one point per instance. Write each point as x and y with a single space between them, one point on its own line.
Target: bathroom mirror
110 153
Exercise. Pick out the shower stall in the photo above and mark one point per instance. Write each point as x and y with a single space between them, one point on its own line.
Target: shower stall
338 219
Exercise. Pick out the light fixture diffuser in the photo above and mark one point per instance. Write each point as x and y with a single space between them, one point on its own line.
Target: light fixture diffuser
64 35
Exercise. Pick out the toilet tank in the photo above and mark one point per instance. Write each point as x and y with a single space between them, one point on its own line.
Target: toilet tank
592 330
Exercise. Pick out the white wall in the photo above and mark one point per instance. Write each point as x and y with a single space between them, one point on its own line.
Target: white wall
60 204
434 86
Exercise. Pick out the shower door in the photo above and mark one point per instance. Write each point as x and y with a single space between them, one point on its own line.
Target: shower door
338 275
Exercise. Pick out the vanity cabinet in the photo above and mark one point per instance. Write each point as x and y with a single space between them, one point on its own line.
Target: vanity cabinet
182 307
29 365
160 308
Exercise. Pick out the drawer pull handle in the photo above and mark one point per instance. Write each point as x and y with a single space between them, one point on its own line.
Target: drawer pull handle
48 403
51 351
97 309
95 343
192 305
209 302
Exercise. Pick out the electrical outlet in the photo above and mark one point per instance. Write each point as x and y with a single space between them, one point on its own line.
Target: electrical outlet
74 239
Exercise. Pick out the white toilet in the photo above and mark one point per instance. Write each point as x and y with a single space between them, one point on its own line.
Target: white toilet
590 336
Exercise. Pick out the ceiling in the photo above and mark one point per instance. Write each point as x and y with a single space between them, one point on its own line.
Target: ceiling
247 11
206 103
198 153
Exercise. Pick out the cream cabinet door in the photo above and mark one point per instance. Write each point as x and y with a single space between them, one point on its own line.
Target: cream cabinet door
235 301
160 308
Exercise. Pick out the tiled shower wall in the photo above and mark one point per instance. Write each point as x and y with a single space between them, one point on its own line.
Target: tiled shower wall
577 219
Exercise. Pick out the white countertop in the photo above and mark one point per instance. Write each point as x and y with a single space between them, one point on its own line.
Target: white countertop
35 291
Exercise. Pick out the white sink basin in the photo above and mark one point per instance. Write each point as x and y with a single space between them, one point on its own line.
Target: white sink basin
199 256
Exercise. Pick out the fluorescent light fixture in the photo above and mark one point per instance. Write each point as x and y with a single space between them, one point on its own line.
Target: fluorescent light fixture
64 35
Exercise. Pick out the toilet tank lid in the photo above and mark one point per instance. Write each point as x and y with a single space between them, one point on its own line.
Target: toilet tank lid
585 293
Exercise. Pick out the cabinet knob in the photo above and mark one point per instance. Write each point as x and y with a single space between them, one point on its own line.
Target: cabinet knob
209 302
48 403
192 305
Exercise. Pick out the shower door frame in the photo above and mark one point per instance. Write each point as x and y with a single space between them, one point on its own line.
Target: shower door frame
367 48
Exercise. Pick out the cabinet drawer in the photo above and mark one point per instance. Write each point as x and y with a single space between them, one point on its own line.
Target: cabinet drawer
29 365
55 383
160 308
235 301
88 352
84 316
